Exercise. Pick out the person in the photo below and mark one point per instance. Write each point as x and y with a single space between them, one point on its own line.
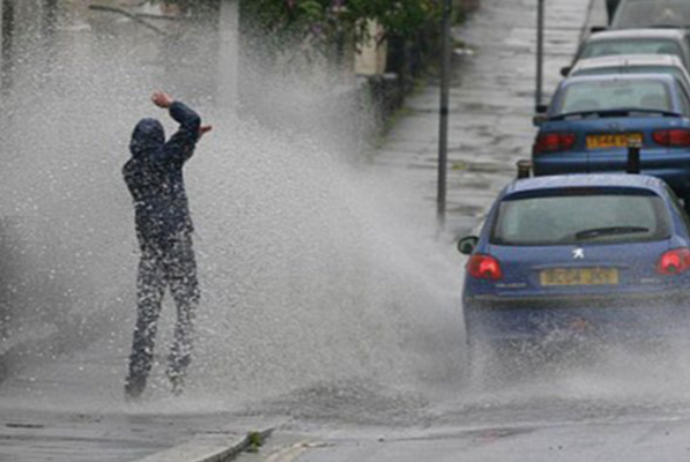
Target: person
164 230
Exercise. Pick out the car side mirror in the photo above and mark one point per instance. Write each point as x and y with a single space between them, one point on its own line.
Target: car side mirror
467 244
565 71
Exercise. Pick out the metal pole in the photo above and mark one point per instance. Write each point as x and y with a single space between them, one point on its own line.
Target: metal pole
633 165
540 53
2 45
6 45
443 127
228 59
524 168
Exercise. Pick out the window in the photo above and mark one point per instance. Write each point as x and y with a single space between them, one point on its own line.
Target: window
575 217
640 14
631 46
678 207
615 94
633 69
684 101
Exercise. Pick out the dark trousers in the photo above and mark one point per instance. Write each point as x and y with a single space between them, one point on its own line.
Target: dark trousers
173 266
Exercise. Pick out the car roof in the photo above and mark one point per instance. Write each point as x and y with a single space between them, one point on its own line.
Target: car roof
604 180
670 33
628 60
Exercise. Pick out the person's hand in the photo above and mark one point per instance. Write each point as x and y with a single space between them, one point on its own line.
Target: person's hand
204 129
162 99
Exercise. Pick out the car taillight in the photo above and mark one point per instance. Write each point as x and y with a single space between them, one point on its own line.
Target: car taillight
484 267
677 137
674 261
553 142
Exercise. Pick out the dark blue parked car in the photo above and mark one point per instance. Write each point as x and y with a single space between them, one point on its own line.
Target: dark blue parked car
602 256
592 119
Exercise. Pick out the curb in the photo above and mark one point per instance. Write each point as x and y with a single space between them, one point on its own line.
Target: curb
210 448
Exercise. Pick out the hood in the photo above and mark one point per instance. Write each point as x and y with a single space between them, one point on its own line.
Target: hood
148 134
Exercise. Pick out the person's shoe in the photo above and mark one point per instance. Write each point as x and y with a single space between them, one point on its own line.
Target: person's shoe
134 387
176 381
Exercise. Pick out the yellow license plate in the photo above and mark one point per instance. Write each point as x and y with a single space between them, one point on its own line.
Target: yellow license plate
579 276
612 141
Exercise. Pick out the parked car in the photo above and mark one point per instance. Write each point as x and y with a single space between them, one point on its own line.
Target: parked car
634 14
631 64
674 42
592 120
577 258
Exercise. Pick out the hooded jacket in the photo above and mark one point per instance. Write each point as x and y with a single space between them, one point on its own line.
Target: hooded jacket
154 176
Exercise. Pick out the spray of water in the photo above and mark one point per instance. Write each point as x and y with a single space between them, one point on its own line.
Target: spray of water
311 271
321 284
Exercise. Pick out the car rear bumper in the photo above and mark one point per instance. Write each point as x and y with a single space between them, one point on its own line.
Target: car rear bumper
672 167
630 316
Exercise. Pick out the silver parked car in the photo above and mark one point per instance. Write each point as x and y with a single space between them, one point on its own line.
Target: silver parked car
631 64
634 14
675 42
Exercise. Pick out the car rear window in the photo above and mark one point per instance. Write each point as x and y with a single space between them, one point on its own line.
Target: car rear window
647 46
610 70
615 94
645 13
581 217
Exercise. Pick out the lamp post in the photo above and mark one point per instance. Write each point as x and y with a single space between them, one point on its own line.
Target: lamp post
228 59
2 44
7 14
443 126
540 55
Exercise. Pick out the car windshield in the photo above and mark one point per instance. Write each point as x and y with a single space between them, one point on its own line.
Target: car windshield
651 69
644 13
631 46
577 217
615 94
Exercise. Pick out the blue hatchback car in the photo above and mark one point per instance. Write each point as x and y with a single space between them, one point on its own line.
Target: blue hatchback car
592 119
596 256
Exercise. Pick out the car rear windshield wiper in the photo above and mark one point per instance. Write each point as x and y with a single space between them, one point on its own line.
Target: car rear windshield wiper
609 231
614 112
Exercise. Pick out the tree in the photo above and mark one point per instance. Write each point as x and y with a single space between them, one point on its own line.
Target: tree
328 20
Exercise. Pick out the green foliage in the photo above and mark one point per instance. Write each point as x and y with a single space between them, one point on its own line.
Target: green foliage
328 20
255 440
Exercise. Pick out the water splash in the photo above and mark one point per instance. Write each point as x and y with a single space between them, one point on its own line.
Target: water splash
311 271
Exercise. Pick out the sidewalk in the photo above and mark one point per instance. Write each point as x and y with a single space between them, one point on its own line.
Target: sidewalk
491 108
72 410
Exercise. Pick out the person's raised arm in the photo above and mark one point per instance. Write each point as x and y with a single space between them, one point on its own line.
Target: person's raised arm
181 145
